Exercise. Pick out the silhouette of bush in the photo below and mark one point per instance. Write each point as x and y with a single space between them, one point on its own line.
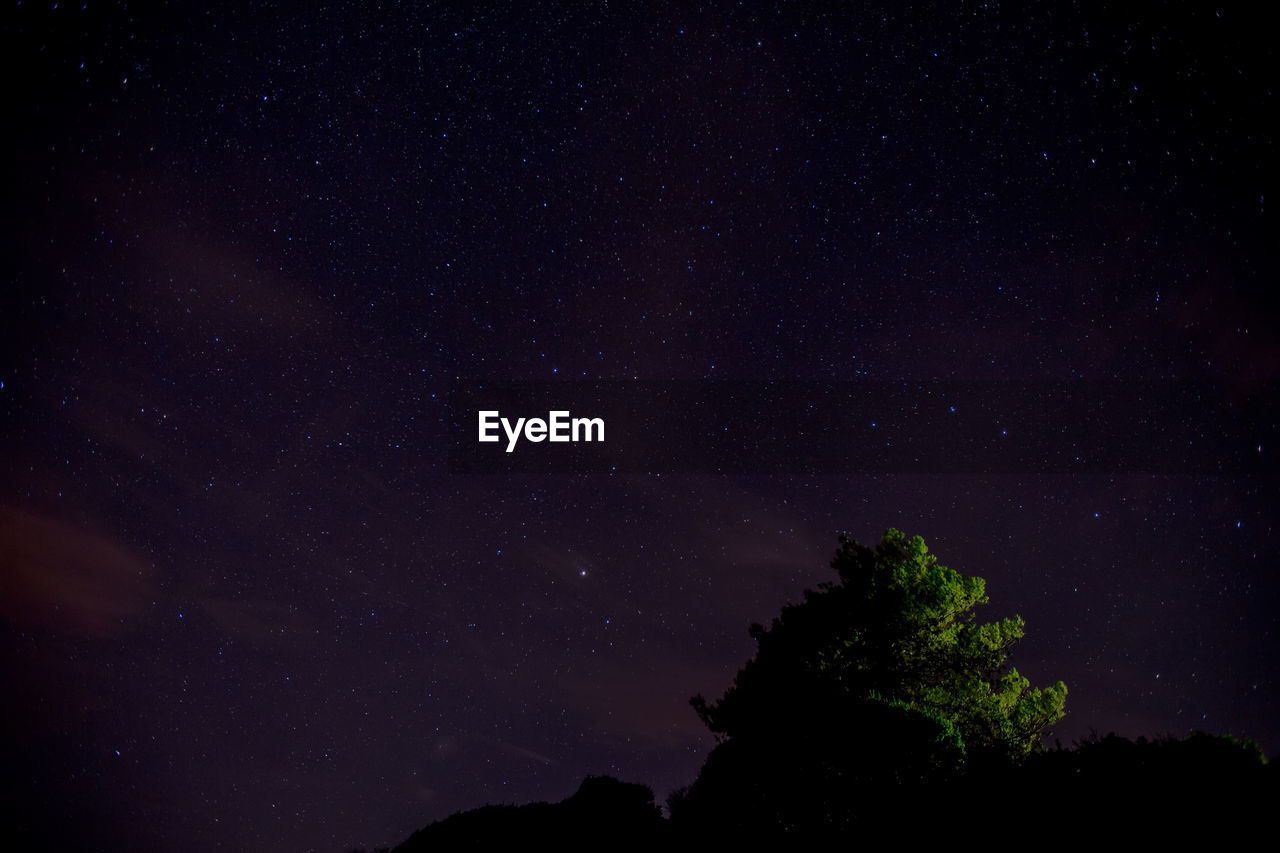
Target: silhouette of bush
604 814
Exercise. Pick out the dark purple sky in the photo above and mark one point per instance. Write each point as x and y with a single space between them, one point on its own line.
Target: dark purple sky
244 602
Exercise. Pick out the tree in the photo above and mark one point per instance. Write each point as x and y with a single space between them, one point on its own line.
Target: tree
884 677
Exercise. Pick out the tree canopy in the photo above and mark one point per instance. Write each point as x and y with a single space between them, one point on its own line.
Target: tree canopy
894 638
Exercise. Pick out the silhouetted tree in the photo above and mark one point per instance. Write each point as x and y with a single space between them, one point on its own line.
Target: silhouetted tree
883 678
880 709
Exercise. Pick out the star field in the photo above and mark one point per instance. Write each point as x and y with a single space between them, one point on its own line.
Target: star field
245 602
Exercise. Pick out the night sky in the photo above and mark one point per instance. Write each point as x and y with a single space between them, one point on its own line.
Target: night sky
250 251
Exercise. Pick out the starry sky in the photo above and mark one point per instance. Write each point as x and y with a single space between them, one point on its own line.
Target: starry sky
246 601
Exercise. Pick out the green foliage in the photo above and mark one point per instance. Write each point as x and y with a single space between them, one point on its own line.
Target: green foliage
898 629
